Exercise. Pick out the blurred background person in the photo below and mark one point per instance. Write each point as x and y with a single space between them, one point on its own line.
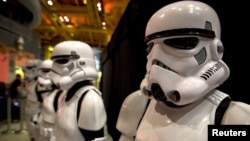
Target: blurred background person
33 99
14 94
81 115
50 97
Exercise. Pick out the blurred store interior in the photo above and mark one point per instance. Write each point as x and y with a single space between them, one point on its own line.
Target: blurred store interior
115 29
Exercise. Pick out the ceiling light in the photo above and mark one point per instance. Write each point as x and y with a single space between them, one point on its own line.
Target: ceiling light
50 2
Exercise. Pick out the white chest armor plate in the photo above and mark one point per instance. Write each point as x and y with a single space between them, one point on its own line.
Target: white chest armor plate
48 112
66 123
31 91
67 126
178 124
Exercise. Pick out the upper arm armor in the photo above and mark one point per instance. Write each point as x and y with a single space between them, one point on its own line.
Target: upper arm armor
131 113
237 113
92 113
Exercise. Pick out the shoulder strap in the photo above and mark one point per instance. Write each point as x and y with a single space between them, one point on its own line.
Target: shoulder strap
55 103
80 103
38 94
221 109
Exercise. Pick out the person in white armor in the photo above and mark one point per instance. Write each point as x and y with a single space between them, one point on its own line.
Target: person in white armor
44 84
33 100
49 104
179 96
81 116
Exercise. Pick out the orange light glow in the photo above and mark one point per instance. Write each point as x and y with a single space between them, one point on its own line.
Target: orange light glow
46 19
108 8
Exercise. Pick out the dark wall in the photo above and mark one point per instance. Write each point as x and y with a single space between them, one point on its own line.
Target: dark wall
10 31
124 61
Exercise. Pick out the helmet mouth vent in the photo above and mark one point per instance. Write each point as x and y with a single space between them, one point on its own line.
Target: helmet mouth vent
174 96
157 92
159 95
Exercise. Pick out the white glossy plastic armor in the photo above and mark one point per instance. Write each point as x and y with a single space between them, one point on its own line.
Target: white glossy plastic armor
178 98
81 114
32 105
46 116
186 50
73 61
48 112
92 116
31 69
43 75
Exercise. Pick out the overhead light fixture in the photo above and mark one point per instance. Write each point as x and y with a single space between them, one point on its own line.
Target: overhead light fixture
85 1
99 6
50 2
66 20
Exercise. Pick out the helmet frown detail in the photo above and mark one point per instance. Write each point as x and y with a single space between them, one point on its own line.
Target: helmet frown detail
184 53
73 61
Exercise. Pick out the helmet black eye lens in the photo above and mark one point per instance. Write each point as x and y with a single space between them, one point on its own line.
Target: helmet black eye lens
149 47
29 67
45 70
182 43
62 60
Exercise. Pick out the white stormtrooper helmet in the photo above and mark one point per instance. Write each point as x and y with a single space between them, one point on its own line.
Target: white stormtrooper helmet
31 69
184 53
43 73
73 61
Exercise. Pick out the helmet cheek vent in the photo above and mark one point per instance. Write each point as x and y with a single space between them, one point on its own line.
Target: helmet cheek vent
211 71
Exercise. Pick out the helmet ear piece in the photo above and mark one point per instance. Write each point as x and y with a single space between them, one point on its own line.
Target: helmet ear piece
81 62
217 49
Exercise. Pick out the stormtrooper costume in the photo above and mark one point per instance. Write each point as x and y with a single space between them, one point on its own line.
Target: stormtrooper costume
33 100
49 103
178 98
44 86
81 116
